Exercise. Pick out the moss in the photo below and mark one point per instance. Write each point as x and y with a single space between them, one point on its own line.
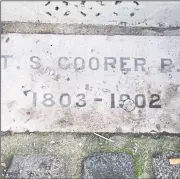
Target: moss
141 148
138 168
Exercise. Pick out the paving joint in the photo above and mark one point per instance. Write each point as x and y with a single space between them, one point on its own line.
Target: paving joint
107 134
83 29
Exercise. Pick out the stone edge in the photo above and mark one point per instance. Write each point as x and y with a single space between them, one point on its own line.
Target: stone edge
82 29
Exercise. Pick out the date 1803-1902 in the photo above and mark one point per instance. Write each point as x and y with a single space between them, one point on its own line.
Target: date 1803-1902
65 100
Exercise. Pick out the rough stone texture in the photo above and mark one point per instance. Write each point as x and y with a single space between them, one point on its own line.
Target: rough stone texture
83 29
37 166
78 146
163 169
109 165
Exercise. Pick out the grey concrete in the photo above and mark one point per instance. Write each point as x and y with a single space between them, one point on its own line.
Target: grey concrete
85 29
53 93
109 165
138 13
163 169
37 166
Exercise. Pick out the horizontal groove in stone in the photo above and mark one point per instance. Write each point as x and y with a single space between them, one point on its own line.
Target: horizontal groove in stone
82 29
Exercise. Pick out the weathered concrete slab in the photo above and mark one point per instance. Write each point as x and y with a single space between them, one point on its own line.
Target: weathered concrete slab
90 83
141 13
37 166
109 165
162 167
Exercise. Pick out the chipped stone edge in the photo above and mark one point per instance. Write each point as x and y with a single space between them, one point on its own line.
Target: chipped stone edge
83 29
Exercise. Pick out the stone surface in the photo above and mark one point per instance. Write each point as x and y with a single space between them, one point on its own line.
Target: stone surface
37 166
77 146
83 29
74 84
141 13
163 169
109 165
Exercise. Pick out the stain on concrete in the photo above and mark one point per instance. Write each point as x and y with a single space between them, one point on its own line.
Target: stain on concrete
26 92
65 2
56 8
98 14
66 13
132 14
84 14
117 2
136 3
7 40
11 104
47 3
48 13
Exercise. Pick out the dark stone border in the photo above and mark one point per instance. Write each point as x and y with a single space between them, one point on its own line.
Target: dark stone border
162 167
116 165
37 166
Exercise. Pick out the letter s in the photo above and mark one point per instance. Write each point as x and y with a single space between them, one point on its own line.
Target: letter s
36 63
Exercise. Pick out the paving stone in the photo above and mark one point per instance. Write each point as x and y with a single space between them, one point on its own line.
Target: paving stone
162 168
164 14
108 165
37 166
82 89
